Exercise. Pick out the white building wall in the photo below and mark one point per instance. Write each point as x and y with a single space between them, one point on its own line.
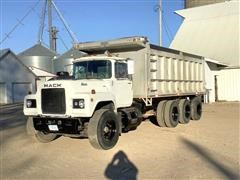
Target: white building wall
209 84
229 85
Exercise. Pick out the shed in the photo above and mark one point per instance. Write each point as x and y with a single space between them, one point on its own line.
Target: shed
16 80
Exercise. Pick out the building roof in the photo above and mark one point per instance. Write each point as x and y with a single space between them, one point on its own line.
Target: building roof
210 31
38 50
40 73
5 52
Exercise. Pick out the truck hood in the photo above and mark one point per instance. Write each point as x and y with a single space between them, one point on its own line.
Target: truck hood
79 86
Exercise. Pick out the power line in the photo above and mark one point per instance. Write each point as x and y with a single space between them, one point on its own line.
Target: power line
19 22
62 41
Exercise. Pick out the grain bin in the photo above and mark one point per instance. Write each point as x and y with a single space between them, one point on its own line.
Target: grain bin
64 61
38 56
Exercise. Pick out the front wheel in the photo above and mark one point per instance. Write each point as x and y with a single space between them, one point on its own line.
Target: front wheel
103 129
39 135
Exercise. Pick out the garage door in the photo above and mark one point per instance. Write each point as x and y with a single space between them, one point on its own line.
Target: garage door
20 90
2 93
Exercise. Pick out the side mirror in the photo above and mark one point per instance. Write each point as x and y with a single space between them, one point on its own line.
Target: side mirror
130 64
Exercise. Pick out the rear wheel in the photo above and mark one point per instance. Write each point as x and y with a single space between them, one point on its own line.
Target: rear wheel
184 111
103 129
171 113
160 113
196 108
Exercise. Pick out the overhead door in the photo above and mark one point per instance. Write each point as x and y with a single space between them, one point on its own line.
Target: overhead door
20 90
3 93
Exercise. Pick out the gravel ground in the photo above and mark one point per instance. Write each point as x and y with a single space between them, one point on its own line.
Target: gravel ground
207 149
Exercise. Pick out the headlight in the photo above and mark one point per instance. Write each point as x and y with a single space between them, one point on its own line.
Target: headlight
78 103
31 103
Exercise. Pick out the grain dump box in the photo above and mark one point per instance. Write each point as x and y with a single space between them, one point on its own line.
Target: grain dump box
159 71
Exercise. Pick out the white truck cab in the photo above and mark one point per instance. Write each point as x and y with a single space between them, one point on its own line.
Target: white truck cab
98 82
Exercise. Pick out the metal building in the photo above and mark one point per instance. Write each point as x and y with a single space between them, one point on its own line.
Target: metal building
38 56
64 61
16 80
196 3
212 31
212 68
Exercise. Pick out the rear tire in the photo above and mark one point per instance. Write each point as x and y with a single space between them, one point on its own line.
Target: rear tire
160 113
184 111
171 113
103 129
196 108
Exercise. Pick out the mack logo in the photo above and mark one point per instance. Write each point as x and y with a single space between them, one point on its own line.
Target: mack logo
52 85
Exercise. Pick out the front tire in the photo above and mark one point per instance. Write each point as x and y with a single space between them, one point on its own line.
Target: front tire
39 135
103 129
45 137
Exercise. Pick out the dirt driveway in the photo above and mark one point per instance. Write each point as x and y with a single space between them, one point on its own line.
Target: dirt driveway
208 148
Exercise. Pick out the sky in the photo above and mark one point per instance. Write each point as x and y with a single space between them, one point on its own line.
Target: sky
90 20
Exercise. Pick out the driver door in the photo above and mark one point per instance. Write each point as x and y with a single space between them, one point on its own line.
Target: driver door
122 85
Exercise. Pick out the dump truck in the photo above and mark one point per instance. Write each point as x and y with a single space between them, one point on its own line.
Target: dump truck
118 84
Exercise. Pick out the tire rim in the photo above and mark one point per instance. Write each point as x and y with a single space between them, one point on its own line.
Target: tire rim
109 130
175 114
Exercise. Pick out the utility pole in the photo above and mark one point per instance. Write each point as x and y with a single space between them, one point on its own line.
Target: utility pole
52 30
49 5
160 22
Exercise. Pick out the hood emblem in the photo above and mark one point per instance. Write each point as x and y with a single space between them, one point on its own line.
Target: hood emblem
52 85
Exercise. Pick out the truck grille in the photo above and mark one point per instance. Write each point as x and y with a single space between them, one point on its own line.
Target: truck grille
53 101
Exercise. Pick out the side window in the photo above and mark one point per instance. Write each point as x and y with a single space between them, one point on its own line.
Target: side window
121 70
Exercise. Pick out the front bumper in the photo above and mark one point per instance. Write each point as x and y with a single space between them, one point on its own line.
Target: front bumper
58 125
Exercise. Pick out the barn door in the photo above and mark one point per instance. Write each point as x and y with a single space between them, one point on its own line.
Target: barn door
2 93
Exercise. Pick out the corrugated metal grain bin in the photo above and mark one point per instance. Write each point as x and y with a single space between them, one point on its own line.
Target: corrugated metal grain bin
159 72
38 56
65 61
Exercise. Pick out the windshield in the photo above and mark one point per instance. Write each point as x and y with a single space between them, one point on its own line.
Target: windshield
100 69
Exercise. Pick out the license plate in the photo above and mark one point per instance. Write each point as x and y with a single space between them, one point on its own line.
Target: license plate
53 127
